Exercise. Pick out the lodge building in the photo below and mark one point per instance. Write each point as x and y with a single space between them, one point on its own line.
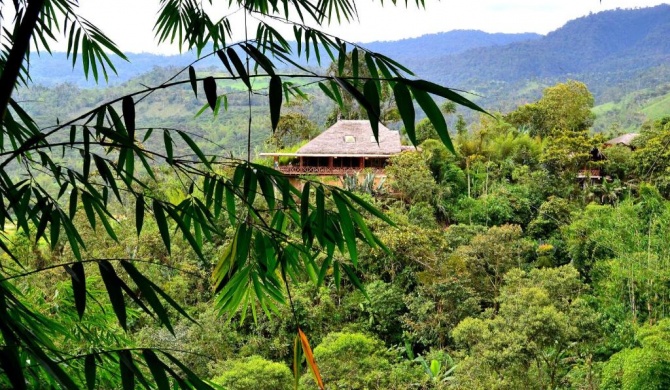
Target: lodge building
345 148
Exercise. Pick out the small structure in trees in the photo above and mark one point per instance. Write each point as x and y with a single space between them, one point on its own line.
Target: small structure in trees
624 140
347 147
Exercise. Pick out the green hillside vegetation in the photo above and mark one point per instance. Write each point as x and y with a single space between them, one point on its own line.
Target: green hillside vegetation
504 270
224 134
629 111
621 55
146 246
658 108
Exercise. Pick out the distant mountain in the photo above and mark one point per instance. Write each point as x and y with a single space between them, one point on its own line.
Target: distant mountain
56 69
446 43
622 55
609 41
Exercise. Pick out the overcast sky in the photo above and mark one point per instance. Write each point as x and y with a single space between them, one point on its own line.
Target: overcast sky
129 22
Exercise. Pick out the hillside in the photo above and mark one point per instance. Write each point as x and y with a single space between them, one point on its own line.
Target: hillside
56 69
621 55
610 41
447 43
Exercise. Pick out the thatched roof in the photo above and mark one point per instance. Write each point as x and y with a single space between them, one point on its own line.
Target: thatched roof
625 139
353 138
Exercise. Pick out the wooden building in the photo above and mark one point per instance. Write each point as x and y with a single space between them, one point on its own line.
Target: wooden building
347 147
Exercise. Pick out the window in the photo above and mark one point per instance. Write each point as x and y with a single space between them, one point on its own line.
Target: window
350 139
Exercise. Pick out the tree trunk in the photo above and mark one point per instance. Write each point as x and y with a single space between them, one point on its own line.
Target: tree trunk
18 51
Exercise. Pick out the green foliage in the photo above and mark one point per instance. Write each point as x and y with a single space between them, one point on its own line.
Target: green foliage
484 261
421 214
190 263
106 160
381 312
410 176
541 326
645 366
553 214
503 205
652 158
292 128
435 308
619 162
253 373
357 361
412 251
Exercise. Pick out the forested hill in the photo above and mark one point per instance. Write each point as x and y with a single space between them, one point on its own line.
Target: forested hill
623 56
619 41
610 41
56 69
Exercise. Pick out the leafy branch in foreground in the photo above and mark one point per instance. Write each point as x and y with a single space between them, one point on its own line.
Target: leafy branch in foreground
280 232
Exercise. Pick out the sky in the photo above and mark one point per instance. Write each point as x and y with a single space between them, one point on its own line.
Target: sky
129 23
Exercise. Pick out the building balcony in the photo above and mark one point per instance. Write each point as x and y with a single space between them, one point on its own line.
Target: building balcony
593 173
294 170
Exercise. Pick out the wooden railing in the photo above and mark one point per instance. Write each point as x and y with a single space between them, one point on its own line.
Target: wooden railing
294 170
594 173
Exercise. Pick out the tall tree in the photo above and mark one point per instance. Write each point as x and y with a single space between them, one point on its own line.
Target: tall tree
563 107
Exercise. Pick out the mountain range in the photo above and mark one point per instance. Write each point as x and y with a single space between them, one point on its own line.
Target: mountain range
622 55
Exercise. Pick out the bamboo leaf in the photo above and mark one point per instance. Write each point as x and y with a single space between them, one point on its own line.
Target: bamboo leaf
267 188
354 279
226 63
347 227
162 223
89 371
113 286
275 92
195 148
156 368
260 58
139 214
192 377
372 68
434 114
148 293
304 206
78 286
373 116
167 139
87 201
105 222
405 106
12 367
371 94
310 359
368 207
186 232
297 360
194 80
54 230
126 369
209 85
239 66
446 93
326 90
128 108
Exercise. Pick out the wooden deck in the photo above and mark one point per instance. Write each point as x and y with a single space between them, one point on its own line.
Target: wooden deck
293 170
